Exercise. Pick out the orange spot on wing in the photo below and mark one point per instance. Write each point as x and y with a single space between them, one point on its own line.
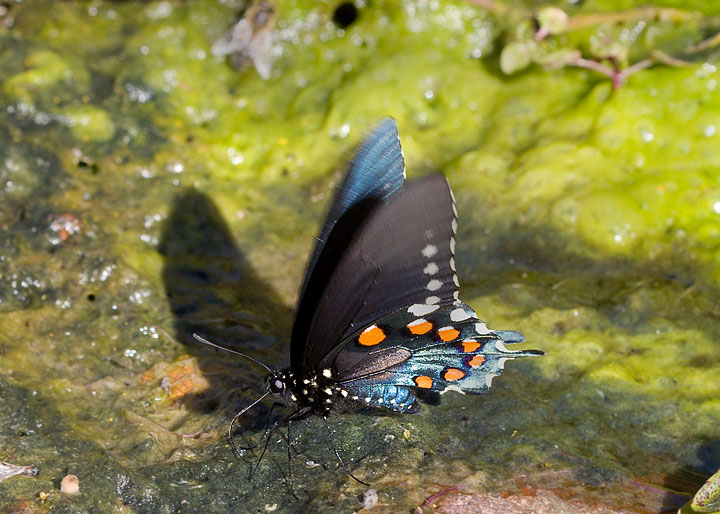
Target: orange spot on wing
423 382
476 361
470 346
371 336
452 374
448 334
419 327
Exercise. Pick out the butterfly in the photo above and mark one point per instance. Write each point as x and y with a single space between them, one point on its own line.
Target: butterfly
379 317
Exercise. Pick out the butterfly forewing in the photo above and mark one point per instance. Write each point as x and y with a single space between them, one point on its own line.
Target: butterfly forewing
376 173
402 258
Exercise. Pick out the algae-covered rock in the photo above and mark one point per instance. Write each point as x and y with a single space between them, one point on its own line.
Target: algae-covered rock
88 123
149 191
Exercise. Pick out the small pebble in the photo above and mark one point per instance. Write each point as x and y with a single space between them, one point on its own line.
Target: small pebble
370 499
70 484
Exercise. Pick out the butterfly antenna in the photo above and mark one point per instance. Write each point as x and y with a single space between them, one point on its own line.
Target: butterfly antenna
198 337
337 454
235 418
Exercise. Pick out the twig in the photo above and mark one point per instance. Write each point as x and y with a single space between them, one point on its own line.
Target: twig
640 65
639 13
704 45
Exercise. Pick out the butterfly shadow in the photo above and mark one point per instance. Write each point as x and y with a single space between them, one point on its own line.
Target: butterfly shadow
213 291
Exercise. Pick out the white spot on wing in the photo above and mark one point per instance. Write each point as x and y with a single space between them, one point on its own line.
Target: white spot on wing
452 263
327 373
421 309
417 322
501 347
431 269
456 295
432 300
452 245
454 226
501 362
451 191
452 387
455 281
434 285
429 251
481 328
459 315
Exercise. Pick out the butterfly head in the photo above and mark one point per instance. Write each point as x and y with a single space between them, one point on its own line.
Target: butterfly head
280 385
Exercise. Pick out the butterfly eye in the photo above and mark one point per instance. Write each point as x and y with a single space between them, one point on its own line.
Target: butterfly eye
277 385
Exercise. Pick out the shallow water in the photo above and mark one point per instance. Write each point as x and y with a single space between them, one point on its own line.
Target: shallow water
149 191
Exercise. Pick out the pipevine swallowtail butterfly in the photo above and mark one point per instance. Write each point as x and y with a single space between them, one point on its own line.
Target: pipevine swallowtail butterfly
379 317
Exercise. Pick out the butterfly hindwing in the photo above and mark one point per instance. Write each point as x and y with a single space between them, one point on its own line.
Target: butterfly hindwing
447 350
402 258
376 173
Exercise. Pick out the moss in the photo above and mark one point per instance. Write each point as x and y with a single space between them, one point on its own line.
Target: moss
88 123
46 72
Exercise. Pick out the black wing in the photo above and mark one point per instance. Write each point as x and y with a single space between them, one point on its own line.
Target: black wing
376 173
402 257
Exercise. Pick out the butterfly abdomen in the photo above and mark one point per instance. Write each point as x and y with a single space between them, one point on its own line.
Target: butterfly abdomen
396 398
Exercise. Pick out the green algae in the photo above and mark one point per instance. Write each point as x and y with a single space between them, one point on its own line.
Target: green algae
588 222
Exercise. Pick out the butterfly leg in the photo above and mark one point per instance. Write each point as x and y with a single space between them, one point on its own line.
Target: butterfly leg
299 414
289 454
269 431
337 453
